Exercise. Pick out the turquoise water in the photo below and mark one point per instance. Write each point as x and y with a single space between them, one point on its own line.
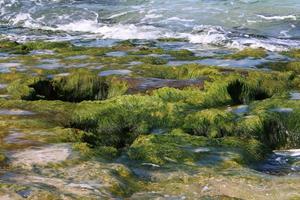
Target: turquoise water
273 24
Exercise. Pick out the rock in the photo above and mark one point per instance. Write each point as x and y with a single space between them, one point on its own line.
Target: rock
41 155
295 95
116 54
282 110
144 84
15 112
115 72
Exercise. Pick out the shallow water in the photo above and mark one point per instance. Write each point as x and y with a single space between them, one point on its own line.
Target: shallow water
282 163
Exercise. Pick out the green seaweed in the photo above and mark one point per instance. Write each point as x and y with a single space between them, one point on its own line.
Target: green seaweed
176 146
248 53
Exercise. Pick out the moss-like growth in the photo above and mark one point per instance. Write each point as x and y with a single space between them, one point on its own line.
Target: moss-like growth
147 51
293 66
183 54
176 147
172 40
294 53
154 60
248 53
78 86
17 48
41 45
190 71
2 157
209 123
117 122
241 92
20 88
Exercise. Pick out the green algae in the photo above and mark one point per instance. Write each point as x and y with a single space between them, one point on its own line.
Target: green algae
248 53
119 123
293 66
295 53
76 87
2 157
183 54
191 71
103 129
147 51
210 123
175 147
172 40
154 60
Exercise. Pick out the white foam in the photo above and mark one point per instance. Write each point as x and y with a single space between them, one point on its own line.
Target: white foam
179 19
291 17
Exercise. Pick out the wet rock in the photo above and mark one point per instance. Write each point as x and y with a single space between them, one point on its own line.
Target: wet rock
49 64
5 96
15 112
78 57
116 54
57 185
158 131
240 110
150 165
201 150
143 84
58 75
3 86
115 72
295 95
9 197
42 52
6 67
282 110
41 155
24 193
16 138
135 63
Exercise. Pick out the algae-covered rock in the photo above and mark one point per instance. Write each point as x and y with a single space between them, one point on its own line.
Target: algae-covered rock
248 52
210 123
78 86
119 121
179 147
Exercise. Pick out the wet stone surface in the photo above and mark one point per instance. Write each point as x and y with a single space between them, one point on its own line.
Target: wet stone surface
143 84
116 54
115 72
239 110
15 112
41 155
295 95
